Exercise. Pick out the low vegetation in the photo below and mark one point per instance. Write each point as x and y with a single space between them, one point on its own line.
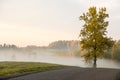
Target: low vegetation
7 68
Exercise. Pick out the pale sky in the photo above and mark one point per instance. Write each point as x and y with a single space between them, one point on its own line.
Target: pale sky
39 22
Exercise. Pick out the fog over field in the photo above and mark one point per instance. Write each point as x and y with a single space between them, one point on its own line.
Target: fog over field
49 56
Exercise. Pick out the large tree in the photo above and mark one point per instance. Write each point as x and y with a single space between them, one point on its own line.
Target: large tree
93 36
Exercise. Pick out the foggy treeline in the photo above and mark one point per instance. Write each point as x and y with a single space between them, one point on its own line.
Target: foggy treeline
71 47
114 52
60 47
73 44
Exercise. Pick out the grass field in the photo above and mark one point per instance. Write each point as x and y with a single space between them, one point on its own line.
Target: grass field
7 68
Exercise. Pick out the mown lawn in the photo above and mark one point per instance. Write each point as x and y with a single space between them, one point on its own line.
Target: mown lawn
7 68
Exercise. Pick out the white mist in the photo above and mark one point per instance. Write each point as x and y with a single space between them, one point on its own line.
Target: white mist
51 58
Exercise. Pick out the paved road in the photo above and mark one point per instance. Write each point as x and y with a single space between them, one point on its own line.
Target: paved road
73 74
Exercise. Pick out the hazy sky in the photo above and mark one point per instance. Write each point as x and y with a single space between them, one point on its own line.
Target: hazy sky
39 22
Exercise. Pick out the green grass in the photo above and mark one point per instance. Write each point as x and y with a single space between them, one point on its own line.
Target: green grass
7 68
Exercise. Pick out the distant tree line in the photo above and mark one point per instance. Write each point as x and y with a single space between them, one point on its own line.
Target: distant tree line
73 44
114 52
7 46
61 44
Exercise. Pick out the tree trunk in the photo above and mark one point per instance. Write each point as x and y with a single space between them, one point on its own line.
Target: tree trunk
95 61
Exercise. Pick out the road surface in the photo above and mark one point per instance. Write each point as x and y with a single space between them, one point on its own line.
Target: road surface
73 73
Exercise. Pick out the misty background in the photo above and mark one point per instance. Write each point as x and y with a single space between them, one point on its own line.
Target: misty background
48 30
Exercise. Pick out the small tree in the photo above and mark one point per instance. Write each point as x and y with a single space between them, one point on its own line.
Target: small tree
93 34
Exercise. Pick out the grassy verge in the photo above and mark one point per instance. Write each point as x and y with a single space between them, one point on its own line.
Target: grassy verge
7 68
